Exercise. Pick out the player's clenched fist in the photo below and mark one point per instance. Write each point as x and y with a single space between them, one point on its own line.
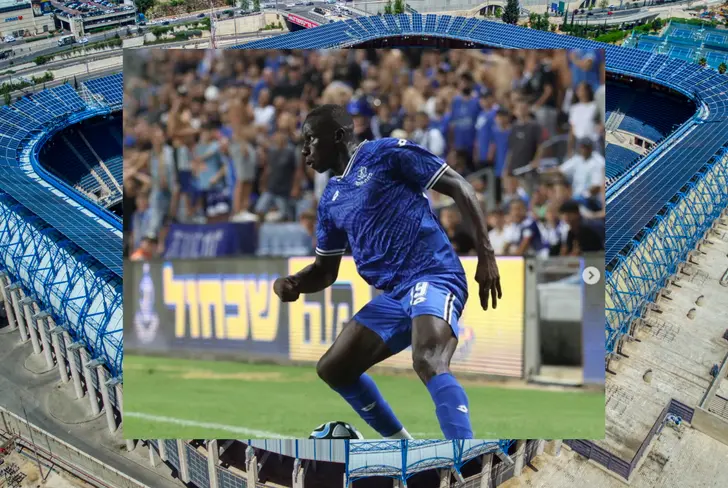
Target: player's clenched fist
286 289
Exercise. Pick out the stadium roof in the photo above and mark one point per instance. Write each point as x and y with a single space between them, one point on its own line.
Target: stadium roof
24 127
632 203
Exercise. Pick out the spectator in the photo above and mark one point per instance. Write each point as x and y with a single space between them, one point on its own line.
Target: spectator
146 250
212 136
428 136
513 190
245 161
584 117
527 238
210 173
484 129
140 220
465 109
524 140
583 235
279 172
497 234
586 172
499 148
461 241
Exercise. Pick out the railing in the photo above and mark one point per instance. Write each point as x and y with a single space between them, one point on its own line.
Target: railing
617 465
62 454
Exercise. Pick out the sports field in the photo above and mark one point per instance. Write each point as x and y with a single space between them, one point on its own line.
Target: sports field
192 399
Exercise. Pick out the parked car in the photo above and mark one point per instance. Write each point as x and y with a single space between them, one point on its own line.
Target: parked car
9 39
83 40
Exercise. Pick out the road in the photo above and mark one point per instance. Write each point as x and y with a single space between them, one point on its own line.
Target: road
20 388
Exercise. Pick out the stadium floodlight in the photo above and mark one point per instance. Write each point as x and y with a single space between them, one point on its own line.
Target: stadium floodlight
113 382
76 345
27 300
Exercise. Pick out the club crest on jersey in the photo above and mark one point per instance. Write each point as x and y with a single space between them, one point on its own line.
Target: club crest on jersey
362 176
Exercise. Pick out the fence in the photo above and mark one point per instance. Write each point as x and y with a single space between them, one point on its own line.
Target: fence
62 454
617 465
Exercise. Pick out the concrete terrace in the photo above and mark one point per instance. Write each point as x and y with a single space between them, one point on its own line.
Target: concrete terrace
677 349
679 457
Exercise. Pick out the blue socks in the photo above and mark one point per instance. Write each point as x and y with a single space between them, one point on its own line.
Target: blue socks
365 399
451 406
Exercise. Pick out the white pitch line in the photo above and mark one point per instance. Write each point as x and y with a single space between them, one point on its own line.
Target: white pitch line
252 433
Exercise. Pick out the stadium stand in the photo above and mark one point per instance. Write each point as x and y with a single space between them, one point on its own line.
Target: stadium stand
60 262
414 463
619 159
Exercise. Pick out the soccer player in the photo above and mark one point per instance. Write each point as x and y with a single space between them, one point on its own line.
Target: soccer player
376 205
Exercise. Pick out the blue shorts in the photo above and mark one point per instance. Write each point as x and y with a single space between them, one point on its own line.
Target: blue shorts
390 316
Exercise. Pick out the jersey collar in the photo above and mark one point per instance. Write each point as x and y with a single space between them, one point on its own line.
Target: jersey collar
351 160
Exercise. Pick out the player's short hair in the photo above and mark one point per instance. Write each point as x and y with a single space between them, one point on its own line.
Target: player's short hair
569 207
330 117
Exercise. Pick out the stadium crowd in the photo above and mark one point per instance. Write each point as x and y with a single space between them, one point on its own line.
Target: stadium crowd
214 136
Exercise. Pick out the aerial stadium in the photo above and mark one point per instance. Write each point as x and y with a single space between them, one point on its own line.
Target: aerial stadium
61 272
60 235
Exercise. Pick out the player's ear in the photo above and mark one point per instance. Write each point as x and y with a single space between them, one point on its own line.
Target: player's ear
339 135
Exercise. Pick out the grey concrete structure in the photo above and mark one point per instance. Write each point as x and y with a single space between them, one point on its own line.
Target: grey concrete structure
5 295
26 304
13 291
74 366
42 320
184 468
485 470
87 374
56 338
213 460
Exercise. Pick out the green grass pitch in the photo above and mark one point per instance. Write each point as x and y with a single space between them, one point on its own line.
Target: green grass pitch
193 399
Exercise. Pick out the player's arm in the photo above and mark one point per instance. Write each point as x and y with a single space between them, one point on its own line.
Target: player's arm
331 244
452 184
317 276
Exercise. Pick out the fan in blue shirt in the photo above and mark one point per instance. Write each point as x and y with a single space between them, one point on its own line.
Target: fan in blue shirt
376 205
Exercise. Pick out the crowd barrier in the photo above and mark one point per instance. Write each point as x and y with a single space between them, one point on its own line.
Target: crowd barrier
226 307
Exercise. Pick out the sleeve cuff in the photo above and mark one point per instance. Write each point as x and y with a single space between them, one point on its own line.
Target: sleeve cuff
436 176
333 252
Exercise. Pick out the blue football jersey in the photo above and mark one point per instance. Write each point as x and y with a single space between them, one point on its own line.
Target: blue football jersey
379 208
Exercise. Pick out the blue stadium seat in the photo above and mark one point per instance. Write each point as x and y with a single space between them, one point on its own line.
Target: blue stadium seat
620 158
110 88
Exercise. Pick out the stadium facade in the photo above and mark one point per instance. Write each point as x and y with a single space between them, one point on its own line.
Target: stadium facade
60 253
61 262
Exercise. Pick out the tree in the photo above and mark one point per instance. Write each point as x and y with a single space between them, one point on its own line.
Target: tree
245 5
399 7
603 3
388 7
144 5
230 3
722 68
656 24
256 5
703 62
510 16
